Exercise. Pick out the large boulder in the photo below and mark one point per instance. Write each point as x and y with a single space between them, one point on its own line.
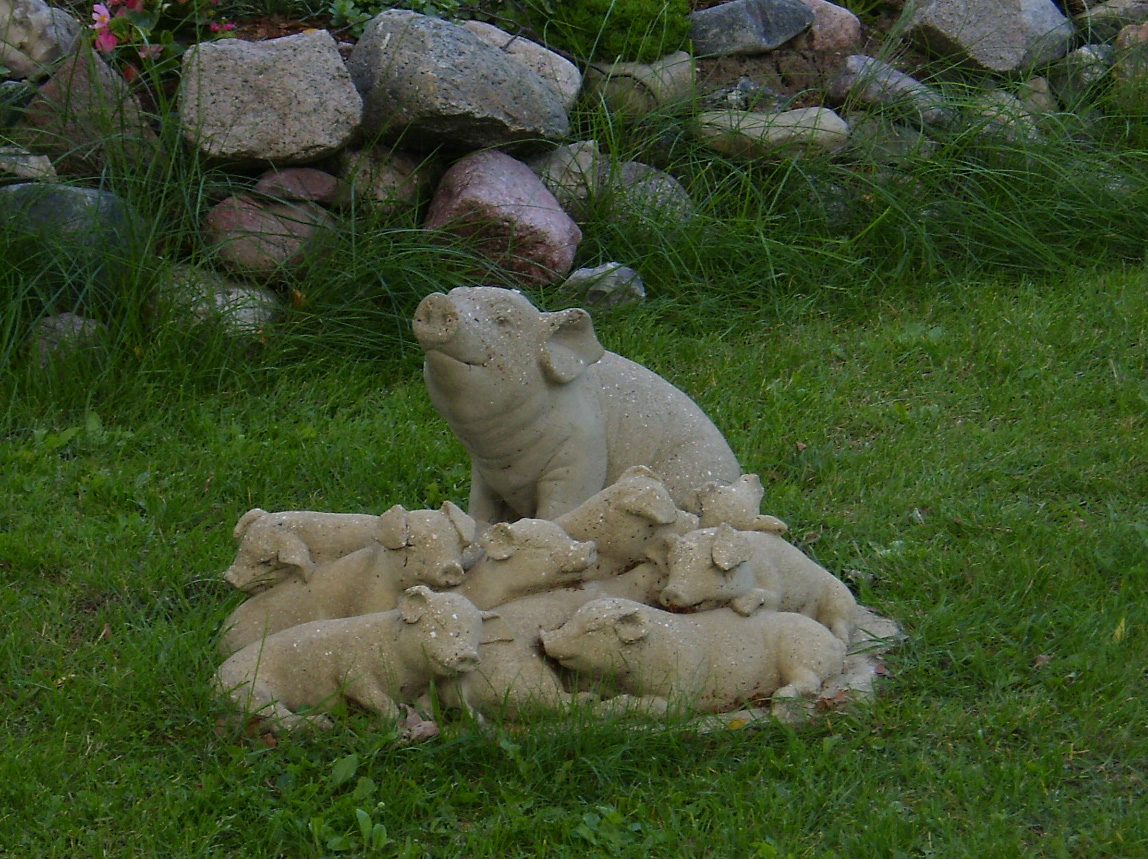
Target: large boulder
285 101
433 83
32 35
993 35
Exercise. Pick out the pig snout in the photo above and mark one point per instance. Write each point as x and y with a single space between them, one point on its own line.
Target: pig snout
675 599
449 575
559 644
435 320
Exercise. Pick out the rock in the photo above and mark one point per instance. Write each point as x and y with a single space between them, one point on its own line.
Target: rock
382 179
17 164
258 237
872 82
747 26
199 295
1102 22
635 192
33 34
65 334
1001 115
14 97
432 82
298 184
288 100
85 118
499 201
762 135
1038 99
834 29
993 35
1073 77
608 285
569 172
1130 70
561 74
634 89
877 140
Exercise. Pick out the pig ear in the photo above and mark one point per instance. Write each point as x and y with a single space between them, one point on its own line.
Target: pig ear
636 471
465 525
631 626
652 504
414 603
392 530
730 548
294 553
246 521
499 541
571 345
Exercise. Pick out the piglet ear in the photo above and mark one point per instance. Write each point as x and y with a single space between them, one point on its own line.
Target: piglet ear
465 526
569 345
651 504
414 603
499 542
294 553
730 548
246 521
631 626
392 531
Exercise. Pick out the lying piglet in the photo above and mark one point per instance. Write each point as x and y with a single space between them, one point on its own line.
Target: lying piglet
415 547
714 660
513 673
522 558
272 546
628 521
737 504
750 569
374 661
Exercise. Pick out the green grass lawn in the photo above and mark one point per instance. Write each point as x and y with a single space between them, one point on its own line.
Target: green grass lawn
972 459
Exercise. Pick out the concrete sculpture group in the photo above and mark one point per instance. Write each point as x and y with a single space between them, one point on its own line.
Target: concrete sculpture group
613 555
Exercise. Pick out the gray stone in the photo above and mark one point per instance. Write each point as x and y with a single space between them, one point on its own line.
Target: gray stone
608 285
1073 77
288 100
877 140
498 201
33 34
17 164
870 81
780 135
62 335
1101 22
570 172
1001 115
636 193
634 89
433 82
561 74
993 35
202 296
383 180
747 26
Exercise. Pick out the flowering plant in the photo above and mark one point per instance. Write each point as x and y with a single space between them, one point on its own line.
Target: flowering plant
135 31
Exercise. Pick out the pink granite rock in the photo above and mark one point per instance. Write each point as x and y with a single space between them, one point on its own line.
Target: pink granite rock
259 238
299 184
518 223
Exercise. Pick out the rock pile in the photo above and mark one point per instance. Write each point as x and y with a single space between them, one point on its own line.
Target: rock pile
473 123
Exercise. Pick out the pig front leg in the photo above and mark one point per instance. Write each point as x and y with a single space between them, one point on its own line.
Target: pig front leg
562 489
486 507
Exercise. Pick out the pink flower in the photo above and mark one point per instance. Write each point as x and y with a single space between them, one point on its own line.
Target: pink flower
101 16
151 52
216 27
135 5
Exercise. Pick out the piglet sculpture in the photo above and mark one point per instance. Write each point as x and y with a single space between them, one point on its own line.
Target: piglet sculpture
749 570
737 504
712 661
414 547
548 416
372 661
524 557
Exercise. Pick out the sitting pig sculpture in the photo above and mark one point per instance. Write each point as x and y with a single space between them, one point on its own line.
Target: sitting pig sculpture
272 546
372 661
712 660
547 415
414 547
522 558
628 521
751 569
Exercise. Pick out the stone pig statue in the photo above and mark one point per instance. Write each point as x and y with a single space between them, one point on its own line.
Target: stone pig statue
713 660
548 416
737 504
414 547
372 661
522 558
272 546
751 569
628 521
